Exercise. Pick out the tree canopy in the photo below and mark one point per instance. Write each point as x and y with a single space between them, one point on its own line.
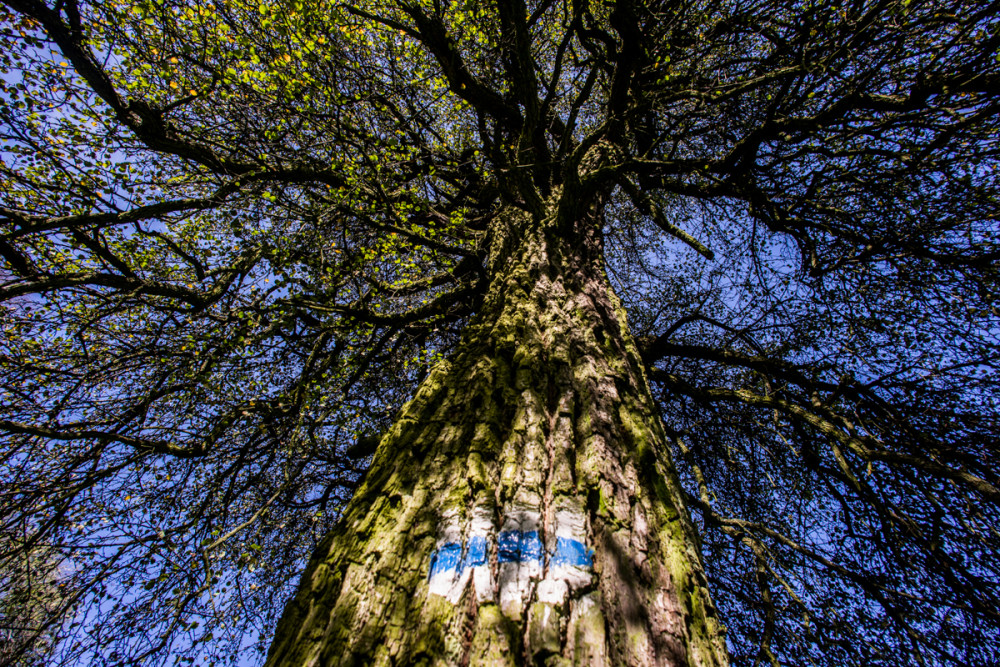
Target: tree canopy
236 235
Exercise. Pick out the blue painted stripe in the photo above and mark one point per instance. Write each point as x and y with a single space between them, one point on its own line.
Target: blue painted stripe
572 552
517 547
447 557
476 555
513 546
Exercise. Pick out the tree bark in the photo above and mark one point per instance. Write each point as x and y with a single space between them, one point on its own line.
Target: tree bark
523 509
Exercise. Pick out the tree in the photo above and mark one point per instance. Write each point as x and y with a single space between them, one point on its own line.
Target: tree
533 322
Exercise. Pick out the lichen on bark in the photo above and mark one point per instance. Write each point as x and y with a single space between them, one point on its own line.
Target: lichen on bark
523 508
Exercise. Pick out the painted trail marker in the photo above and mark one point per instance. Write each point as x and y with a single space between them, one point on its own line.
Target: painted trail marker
521 558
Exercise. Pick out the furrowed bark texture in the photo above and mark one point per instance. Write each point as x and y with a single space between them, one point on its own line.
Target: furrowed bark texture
523 509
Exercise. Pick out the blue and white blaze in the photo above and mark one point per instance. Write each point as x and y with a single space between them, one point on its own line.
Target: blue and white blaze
522 558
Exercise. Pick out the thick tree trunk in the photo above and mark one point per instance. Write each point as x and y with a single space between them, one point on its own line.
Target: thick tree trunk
523 509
